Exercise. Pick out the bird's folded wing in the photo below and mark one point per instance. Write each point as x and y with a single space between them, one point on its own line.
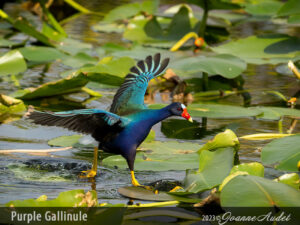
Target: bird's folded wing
83 120
130 96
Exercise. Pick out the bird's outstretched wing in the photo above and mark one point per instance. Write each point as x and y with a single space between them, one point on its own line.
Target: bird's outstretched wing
130 96
97 122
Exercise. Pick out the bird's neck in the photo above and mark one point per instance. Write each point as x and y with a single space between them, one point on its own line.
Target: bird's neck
157 115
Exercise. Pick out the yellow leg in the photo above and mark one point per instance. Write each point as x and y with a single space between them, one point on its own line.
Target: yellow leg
93 171
136 183
133 180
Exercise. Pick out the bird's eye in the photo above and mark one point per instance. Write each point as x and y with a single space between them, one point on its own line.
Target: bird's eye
179 109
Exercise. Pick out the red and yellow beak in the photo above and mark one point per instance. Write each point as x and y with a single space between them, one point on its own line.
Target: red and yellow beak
186 115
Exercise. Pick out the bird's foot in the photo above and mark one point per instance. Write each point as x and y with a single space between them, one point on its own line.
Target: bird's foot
176 188
137 184
88 174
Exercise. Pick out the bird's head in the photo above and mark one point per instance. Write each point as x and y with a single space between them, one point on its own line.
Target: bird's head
179 109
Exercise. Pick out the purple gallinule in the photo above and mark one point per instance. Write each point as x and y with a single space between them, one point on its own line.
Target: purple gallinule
128 123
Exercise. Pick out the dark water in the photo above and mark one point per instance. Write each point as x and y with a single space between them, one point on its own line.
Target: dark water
19 179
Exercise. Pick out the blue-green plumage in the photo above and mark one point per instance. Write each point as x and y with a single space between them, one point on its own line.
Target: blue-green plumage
128 123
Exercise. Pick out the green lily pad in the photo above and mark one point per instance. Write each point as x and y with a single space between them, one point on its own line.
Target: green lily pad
135 32
178 27
270 49
73 46
143 194
291 7
139 52
275 113
222 140
227 66
294 19
221 111
103 26
63 86
131 9
79 60
215 4
285 152
65 141
73 198
291 179
254 191
41 54
253 168
111 72
7 43
160 156
263 8
214 167
12 63
10 105
73 140
149 195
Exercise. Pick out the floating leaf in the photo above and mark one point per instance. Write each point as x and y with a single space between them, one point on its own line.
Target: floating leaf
41 54
291 7
131 9
179 26
73 198
291 179
7 43
225 65
151 136
214 167
12 63
143 194
79 60
264 8
284 151
221 140
270 49
215 4
73 46
294 19
230 177
63 86
160 156
221 111
10 105
111 72
65 141
254 191
275 113
254 168
103 26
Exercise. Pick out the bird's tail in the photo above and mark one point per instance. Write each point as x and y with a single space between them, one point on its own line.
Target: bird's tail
148 68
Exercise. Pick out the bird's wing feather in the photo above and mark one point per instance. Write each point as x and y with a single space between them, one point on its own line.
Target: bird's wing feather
130 96
83 120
